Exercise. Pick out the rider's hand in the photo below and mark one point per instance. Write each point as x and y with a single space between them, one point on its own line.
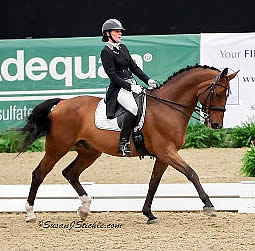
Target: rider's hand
152 83
136 89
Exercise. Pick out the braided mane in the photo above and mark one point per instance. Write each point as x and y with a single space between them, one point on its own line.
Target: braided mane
188 68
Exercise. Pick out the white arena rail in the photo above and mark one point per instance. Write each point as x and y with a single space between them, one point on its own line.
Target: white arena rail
238 197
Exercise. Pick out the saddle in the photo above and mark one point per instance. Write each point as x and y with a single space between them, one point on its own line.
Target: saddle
115 124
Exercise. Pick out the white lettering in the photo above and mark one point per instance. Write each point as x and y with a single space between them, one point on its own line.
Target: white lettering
101 73
15 113
138 59
67 74
19 64
30 68
59 68
78 68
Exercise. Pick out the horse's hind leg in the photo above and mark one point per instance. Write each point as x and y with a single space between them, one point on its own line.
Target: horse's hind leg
158 171
86 157
38 175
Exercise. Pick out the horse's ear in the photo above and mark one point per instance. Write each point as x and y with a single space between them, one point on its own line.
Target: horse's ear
224 73
232 75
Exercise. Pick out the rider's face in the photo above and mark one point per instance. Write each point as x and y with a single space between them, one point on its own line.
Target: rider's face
116 35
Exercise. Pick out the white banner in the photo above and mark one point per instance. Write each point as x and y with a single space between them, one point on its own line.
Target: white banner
237 52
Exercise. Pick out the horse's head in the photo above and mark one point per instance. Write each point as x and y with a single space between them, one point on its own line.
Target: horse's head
213 97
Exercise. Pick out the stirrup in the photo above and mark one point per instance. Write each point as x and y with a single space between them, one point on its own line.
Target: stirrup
124 150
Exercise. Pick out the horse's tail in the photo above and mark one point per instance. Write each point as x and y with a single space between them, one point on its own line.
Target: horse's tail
38 123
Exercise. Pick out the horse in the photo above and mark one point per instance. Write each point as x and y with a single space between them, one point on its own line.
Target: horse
69 124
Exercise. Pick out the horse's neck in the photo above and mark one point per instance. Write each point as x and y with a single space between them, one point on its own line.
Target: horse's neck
181 92
184 89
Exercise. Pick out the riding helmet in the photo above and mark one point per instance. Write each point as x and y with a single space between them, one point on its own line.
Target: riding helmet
110 24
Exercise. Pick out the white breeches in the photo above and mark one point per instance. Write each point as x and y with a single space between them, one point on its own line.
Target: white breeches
127 100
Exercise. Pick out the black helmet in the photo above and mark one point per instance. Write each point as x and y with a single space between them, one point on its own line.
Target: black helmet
112 24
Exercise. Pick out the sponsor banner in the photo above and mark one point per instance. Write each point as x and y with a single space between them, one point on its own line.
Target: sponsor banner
237 52
33 70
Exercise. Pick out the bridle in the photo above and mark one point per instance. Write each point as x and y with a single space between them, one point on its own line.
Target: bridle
210 94
204 111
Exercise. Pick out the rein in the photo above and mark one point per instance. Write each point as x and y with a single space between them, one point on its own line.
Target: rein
197 110
169 103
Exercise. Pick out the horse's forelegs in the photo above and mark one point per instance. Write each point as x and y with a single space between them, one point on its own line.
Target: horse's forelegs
38 176
179 164
85 158
158 170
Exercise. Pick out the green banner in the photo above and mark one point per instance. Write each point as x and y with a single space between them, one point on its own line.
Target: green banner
33 70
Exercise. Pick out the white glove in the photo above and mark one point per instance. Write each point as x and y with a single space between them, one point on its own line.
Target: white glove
152 83
136 89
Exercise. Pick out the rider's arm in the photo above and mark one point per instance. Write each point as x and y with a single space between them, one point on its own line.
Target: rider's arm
135 69
109 67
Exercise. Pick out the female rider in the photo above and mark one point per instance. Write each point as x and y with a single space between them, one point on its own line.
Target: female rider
119 67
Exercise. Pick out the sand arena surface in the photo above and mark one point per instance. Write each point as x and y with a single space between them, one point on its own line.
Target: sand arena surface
177 231
212 165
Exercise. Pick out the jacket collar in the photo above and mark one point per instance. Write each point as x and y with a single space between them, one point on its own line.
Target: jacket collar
113 46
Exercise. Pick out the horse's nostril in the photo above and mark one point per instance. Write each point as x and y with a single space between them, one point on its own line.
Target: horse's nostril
216 125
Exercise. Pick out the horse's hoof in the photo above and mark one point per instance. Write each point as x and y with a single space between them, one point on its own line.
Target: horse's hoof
83 213
30 219
154 221
209 211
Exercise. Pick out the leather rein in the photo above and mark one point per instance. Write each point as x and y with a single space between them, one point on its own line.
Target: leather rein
197 110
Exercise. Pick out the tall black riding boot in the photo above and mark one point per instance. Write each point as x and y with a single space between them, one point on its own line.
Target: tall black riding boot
125 133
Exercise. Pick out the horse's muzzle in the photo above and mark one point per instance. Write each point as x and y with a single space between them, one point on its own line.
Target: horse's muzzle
216 125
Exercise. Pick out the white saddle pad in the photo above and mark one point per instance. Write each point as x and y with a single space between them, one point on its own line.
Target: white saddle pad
102 122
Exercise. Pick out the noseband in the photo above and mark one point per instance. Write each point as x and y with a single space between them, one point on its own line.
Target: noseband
206 109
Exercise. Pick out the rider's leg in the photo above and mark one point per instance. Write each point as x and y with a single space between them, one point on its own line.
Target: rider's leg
125 133
126 99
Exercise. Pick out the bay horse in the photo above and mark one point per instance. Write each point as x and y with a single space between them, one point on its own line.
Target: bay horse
169 109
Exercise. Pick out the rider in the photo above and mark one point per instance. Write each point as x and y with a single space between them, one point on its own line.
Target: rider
119 67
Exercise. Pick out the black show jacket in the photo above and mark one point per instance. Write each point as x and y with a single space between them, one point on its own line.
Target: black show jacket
119 66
